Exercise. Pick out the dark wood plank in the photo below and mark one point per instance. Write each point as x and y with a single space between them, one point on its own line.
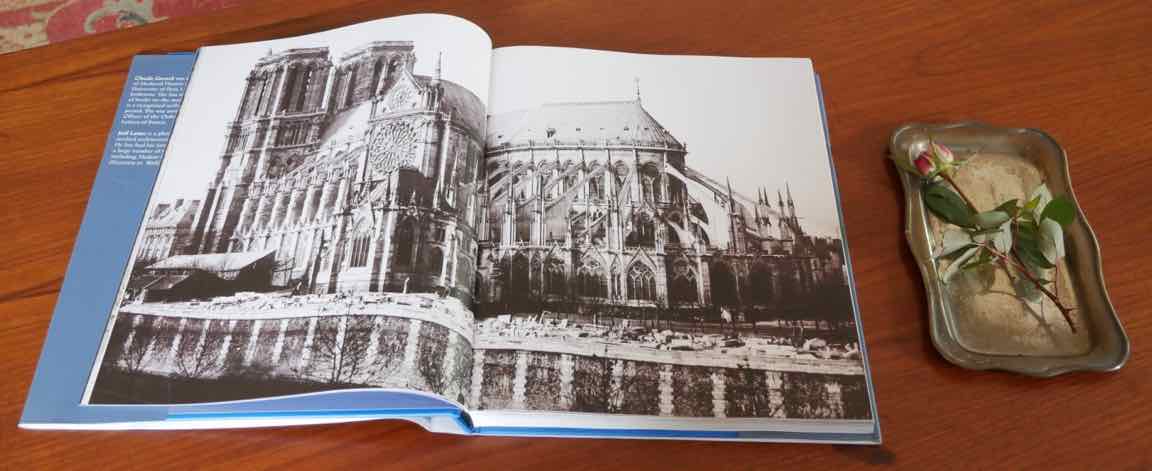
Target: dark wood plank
1079 70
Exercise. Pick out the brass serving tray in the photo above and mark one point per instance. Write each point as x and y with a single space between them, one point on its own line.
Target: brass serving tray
987 328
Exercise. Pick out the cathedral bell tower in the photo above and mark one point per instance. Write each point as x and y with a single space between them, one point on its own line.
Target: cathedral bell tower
369 71
281 95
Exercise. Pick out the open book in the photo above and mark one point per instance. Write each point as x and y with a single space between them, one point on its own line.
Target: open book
394 220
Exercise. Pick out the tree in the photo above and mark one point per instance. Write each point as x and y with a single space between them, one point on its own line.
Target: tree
134 353
340 349
196 356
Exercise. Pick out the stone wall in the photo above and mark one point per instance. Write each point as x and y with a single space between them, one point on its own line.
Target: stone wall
531 380
362 350
342 350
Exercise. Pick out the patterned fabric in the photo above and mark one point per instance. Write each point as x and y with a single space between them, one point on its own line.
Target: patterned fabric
31 23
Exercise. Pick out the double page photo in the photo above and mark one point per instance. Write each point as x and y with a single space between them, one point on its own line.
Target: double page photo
521 231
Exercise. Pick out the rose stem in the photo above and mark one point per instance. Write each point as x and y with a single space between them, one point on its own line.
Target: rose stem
1027 274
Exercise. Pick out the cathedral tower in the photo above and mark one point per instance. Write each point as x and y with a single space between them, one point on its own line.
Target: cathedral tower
278 113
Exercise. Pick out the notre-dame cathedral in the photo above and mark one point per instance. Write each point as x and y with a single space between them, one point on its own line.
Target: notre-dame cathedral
358 174
593 204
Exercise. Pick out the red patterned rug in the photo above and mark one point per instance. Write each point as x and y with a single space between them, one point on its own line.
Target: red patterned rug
31 23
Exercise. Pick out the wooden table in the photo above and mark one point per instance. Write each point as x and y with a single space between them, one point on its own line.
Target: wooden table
1079 70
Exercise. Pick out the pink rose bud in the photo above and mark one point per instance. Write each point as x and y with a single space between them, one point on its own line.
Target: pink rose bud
943 153
923 163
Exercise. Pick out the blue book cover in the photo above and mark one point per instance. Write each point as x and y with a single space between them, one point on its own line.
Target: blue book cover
395 220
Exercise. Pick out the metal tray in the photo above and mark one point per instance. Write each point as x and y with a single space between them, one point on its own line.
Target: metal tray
968 328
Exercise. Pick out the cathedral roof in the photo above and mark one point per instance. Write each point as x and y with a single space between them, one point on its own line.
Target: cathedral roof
213 262
466 108
611 122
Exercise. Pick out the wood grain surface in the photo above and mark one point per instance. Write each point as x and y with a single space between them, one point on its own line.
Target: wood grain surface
1080 70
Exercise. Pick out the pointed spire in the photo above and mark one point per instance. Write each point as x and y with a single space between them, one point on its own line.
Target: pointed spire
779 199
789 190
439 59
637 81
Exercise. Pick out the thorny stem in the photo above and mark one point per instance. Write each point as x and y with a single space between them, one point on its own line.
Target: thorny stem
1004 258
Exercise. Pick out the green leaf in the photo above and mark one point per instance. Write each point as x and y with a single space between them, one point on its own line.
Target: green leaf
1031 205
1051 240
1003 240
947 205
1042 196
1029 251
952 241
990 219
1061 210
983 258
959 262
1011 207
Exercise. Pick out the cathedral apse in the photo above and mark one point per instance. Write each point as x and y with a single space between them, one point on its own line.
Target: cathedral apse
593 206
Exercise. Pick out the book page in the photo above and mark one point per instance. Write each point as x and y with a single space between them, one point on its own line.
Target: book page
313 225
662 239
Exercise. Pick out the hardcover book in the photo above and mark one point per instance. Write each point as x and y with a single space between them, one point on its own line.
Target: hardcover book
395 220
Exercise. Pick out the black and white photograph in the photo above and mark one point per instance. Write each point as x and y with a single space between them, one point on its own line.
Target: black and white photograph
312 226
530 229
661 238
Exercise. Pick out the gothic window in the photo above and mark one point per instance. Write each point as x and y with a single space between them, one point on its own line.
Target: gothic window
302 96
289 86
682 283
360 243
646 187
672 237
590 280
554 282
620 173
376 75
641 283
392 146
595 188
259 108
403 244
643 232
400 97
599 229
350 92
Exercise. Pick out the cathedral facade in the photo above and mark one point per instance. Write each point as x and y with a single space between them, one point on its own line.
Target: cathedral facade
357 173
593 207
